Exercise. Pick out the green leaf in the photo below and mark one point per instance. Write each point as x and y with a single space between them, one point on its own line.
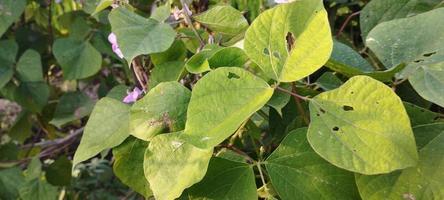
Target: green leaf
420 116
118 92
34 169
378 11
346 60
172 165
280 99
393 44
421 182
72 106
8 52
22 128
78 59
29 67
11 179
225 20
59 172
176 52
297 172
168 71
162 110
198 63
427 132
137 35
32 95
161 13
328 81
107 127
128 165
225 179
38 190
228 57
220 102
10 11
102 5
304 21
352 127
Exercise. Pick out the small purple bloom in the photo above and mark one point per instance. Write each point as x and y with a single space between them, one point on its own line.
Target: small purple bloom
132 96
113 40
58 1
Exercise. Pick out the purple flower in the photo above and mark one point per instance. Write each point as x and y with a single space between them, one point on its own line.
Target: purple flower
58 1
132 96
113 40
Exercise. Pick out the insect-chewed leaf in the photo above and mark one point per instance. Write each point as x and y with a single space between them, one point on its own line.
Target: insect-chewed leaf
163 109
171 165
266 43
416 41
220 102
297 172
363 127
425 181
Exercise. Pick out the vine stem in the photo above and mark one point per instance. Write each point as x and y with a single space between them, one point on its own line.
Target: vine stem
346 22
293 94
258 165
189 22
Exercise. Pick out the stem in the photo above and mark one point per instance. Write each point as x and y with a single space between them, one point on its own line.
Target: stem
138 71
346 22
240 152
258 164
292 94
299 106
188 21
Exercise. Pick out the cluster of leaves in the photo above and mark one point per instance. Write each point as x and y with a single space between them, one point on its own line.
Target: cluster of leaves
223 105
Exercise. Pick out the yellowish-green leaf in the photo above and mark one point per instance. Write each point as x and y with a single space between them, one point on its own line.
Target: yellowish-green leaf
220 102
353 127
171 165
290 41
162 110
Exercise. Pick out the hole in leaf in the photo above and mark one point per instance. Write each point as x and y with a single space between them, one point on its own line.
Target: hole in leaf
352 92
317 114
266 51
290 41
277 55
232 75
377 102
347 108
429 54
418 61
335 128
322 110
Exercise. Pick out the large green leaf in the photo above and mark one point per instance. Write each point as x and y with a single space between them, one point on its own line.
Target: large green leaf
137 35
220 102
416 41
347 61
172 165
128 165
72 106
107 127
306 22
8 52
225 179
176 52
297 172
29 66
424 181
353 128
59 172
11 179
378 11
225 20
10 11
78 59
162 110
